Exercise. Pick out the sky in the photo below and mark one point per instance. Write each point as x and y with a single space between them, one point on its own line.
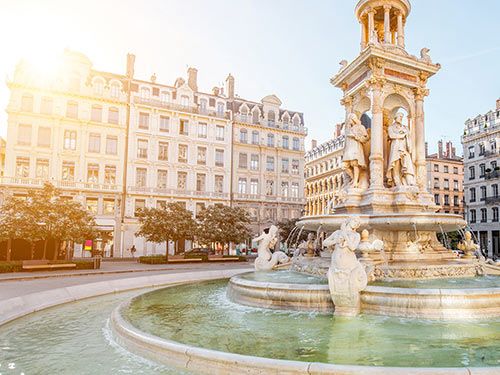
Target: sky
290 48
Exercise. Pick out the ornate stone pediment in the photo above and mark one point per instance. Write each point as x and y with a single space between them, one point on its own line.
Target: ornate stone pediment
272 100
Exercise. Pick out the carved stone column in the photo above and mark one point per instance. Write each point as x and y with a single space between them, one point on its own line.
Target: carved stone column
401 32
364 32
377 136
371 25
420 161
387 23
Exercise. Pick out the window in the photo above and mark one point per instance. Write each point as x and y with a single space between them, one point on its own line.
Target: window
165 97
143 120
471 152
182 153
270 163
46 105
296 122
493 145
472 194
115 90
199 207
22 167
183 127
98 87
472 173
220 109
202 156
494 211
482 149
455 200
219 158
482 170
202 130
142 148
27 103
285 142
140 205
244 114
93 173
255 116
242 160
72 109
446 200
242 185
284 165
111 145
163 151
493 165
295 190
185 101
270 140
271 118
42 169
484 215
254 162
455 170
219 184
24 135
164 123
92 204
113 115
295 167
203 105
201 179
70 140
161 180
446 184
255 137
94 142
68 171
108 206
472 214
284 189
494 190
161 204
269 187
243 136
436 167
483 193
145 93
96 113
254 186
181 180
110 174
455 185
446 169
296 144
219 133
436 199
286 121
436 183
140 177
44 137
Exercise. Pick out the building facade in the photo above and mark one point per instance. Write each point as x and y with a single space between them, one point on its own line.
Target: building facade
323 174
445 176
481 140
117 144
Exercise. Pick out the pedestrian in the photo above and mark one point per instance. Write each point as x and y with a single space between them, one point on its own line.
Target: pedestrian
133 250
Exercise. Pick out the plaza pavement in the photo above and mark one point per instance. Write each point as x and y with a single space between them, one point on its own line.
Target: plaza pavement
19 284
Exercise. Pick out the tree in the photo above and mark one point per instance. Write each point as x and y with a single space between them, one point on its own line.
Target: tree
171 223
287 226
223 224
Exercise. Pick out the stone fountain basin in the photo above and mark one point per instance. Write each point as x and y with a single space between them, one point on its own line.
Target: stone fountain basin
428 303
422 221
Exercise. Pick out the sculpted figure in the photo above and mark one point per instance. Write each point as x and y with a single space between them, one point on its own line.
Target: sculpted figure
346 275
354 162
400 169
310 245
468 246
266 260
366 246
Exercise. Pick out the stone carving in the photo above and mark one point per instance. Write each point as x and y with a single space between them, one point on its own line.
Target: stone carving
354 162
468 246
346 275
343 64
310 245
266 260
400 168
366 246
429 272
424 55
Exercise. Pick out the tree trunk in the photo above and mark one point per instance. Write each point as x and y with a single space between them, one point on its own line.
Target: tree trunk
32 250
166 251
56 250
9 249
45 243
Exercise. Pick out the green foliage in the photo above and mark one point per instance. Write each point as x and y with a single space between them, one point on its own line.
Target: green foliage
222 224
171 223
203 257
16 266
153 259
286 227
453 238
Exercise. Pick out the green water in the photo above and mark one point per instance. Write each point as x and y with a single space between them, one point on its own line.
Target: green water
73 339
201 315
288 277
457 283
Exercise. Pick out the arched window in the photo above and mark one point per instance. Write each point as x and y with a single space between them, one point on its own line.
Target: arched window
296 122
244 114
271 116
185 100
98 86
286 121
145 93
115 90
255 116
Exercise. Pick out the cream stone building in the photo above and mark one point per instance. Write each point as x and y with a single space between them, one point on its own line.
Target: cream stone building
68 128
268 159
481 144
445 178
2 155
323 174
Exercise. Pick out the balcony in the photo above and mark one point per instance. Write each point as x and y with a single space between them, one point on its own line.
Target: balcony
492 175
178 107
177 192
272 124
492 200
64 185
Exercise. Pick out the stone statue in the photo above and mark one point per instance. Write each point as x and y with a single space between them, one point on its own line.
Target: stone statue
366 246
310 245
266 260
354 161
400 168
424 55
346 275
468 246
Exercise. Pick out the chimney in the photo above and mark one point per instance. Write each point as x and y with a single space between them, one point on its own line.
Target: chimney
193 78
130 65
426 149
314 143
453 152
449 146
498 104
230 86
440 149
